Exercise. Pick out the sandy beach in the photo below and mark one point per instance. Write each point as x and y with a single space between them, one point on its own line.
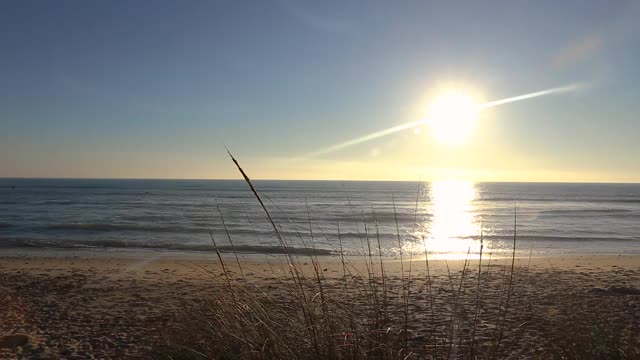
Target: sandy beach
113 306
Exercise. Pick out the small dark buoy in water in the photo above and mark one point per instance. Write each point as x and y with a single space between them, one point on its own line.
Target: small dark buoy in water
13 187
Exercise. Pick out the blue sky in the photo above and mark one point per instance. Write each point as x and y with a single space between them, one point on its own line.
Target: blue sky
157 88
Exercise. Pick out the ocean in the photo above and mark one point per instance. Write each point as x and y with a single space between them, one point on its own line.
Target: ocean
446 218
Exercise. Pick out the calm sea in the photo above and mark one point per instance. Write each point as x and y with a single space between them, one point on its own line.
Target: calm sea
448 217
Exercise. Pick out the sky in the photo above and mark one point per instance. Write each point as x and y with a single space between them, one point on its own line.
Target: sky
157 89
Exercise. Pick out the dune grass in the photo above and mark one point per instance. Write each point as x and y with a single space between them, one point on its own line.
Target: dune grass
369 312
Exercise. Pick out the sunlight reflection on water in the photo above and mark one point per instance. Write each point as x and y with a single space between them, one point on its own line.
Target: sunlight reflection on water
453 229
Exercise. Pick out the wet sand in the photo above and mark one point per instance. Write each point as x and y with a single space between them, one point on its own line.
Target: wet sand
114 306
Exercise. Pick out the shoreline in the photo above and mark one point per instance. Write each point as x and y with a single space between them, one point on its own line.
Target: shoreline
133 264
142 253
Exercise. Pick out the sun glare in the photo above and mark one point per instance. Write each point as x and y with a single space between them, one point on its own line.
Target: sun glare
453 224
452 117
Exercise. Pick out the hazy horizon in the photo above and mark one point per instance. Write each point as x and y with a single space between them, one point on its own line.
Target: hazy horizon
330 180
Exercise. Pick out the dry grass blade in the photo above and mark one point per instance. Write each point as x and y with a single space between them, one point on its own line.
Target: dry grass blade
233 248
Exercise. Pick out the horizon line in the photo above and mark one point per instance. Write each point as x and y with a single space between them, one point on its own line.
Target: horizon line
332 180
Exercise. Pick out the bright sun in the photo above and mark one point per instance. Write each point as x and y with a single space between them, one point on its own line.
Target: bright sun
452 117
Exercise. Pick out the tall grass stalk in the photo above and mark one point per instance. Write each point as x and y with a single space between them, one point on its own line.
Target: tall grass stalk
233 248
478 294
505 310
405 299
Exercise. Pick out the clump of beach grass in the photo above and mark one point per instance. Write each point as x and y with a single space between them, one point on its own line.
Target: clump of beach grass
370 312
366 313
